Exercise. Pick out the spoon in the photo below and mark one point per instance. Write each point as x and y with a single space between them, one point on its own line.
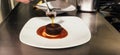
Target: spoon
48 6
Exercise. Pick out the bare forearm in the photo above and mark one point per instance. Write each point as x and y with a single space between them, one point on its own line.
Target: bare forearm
24 1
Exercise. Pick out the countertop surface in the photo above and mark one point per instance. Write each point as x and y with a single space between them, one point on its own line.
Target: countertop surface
105 39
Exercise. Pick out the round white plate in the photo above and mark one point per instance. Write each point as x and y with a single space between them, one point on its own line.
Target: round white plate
78 33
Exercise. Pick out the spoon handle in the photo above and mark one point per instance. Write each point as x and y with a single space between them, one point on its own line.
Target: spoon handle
47 5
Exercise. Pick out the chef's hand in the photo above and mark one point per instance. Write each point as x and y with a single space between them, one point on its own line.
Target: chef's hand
24 1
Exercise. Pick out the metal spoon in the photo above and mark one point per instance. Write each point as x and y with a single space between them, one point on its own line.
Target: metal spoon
48 6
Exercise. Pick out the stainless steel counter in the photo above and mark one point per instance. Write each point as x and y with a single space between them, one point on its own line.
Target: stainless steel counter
5 8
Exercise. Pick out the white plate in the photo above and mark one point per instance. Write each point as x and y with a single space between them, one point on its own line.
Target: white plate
44 7
78 33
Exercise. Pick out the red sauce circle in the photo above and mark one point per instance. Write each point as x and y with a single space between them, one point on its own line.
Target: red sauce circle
41 32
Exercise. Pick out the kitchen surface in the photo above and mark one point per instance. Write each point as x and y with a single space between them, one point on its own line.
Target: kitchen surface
111 12
104 35
0 17
0 14
5 7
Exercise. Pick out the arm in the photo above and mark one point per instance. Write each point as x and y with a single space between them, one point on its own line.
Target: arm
24 1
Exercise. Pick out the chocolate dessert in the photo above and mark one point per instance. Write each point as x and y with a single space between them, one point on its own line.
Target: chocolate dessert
53 29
